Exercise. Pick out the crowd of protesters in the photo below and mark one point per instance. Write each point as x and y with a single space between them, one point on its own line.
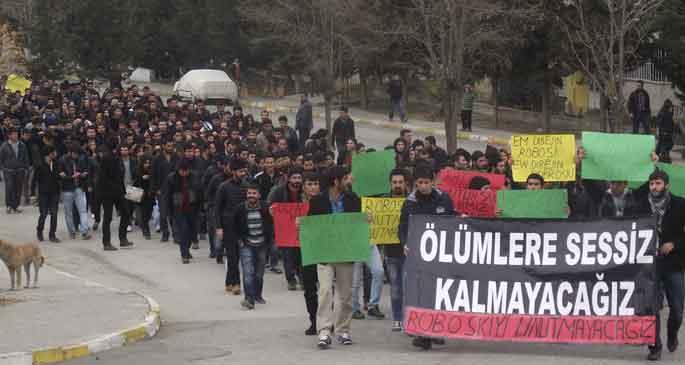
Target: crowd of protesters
194 175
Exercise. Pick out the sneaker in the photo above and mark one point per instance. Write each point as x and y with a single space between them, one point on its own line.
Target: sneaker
9 211
344 339
311 331
324 342
247 304
86 236
276 270
422 342
95 226
72 236
165 238
229 288
396 326
55 240
260 300
129 228
109 247
40 237
292 285
654 354
196 246
375 313
126 244
185 260
358 315
18 211
220 260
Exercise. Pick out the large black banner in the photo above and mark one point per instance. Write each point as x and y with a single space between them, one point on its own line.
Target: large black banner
531 280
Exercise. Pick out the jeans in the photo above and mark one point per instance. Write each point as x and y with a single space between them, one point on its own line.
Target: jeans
292 264
184 225
108 204
165 218
374 264
78 198
397 105
396 273
671 284
48 204
27 185
273 255
253 260
641 119
14 181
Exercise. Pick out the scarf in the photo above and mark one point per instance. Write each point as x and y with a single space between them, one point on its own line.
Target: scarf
659 205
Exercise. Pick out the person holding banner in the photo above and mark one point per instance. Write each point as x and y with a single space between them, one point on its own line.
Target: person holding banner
394 254
427 200
669 211
290 192
338 199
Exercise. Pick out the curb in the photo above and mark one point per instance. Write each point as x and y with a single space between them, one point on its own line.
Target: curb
464 136
146 329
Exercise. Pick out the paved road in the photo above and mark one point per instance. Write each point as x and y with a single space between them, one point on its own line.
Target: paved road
203 325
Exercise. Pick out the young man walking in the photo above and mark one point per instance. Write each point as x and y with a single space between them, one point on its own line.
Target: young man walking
254 230
14 163
338 199
183 200
48 194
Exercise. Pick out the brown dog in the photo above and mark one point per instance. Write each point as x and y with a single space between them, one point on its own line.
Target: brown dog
24 255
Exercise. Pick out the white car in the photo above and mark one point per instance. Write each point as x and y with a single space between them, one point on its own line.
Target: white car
207 85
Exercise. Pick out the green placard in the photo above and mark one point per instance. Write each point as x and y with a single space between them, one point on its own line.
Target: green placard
551 203
370 172
676 175
333 238
625 157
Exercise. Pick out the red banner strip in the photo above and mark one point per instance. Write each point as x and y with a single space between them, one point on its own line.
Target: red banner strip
634 330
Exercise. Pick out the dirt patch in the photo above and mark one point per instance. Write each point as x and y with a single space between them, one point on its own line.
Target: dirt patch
4 301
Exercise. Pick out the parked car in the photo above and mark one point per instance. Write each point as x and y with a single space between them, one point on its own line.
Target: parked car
208 85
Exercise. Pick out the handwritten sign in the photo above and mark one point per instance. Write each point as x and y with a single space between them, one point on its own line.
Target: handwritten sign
550 155
622 157
474 203
385 213
459 179
284 215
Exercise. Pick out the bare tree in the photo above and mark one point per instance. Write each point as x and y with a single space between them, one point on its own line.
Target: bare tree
12 58
323 35
447 33
604 36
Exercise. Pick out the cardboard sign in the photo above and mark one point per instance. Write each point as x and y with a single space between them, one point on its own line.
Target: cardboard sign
459 179
285 215
474 203
550 155
385 213
333 238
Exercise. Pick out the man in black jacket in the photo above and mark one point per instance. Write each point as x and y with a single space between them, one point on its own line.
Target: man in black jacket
338 199
229 195
182 199
217 169
343 129
161 168
111 191
669 211
48 193
14 162
290 192
618 201
427 200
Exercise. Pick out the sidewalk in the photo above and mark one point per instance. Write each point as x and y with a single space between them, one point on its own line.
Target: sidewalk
289 104
69 317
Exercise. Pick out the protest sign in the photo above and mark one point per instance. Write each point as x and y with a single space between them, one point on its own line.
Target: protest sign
385 213
285 215
676 176
333 238
371 172
531 281
459 179
548 203
474 203
550 155
623 157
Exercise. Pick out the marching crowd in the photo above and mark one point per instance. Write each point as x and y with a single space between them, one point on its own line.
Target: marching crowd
214 175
